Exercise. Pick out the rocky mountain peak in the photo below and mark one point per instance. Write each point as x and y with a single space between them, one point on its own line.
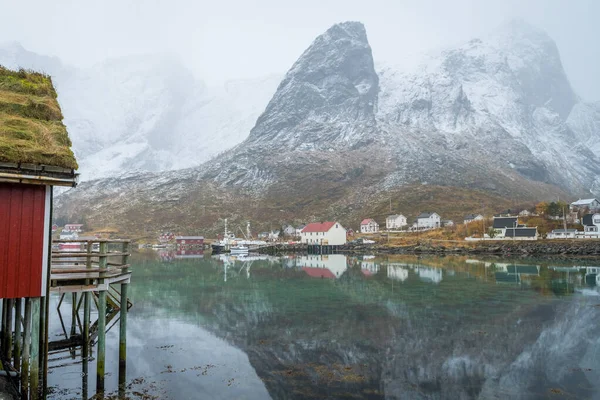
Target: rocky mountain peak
329 95
533 57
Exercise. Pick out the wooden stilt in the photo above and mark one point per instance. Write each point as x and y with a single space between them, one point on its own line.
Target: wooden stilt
101 360
26 350
46 312
86 324
34 366
123 341
41 346
18 334
73 313
3 328
9 331
84 376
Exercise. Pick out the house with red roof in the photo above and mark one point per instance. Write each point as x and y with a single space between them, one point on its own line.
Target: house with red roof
323 233
369 225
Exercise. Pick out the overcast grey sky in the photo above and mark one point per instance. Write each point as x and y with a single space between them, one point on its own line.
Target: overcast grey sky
226 39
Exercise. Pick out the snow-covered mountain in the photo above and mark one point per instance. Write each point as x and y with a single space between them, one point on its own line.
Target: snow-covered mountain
146 113
505 98
496 114
489 114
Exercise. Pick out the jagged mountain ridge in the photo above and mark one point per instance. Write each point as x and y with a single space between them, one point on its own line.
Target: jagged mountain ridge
323 90
496 114
146 112
490 114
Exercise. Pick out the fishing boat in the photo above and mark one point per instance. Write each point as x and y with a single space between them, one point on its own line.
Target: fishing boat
239 250
219 247
223 245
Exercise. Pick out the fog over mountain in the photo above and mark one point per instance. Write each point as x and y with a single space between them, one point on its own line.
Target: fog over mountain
146 113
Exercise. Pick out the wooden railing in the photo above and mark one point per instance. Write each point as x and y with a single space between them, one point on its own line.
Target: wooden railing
88 265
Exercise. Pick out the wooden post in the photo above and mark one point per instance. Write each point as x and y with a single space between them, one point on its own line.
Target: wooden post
3 327
26 350
18 334
86 325
87 301
123 325
84 375
123 341
73 314
42 346
9 331
34 374
101 360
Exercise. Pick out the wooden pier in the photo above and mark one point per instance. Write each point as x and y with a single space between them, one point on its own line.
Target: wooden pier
90 273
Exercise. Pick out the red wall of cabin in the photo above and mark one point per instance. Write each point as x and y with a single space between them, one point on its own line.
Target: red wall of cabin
22 234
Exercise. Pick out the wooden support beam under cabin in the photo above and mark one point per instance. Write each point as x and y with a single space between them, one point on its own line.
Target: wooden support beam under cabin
123 340
101 358
87 299
34 374
18 334
3 328
73 313
9 337
25 372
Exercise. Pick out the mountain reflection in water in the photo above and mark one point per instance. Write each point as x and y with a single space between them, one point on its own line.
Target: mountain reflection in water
336 327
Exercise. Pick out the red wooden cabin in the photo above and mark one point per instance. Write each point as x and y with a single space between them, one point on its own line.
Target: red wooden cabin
26 229
189 240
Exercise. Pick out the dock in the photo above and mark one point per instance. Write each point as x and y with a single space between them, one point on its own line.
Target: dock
94 273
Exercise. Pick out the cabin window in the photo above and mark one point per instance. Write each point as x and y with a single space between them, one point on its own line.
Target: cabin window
336 225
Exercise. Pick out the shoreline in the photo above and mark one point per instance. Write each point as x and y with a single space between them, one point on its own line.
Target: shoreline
587 248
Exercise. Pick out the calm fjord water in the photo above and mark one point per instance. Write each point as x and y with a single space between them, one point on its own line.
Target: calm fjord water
336 327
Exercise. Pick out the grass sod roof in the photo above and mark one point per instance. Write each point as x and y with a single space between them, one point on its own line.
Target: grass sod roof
31 128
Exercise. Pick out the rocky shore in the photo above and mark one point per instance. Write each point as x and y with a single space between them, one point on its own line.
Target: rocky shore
502 248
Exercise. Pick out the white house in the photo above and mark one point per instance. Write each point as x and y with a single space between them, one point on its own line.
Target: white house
447 222
590 204
521 233
562 234
73 228
525 213
299 230
289 230
428 220
324 233
68 235
500 225
472 217
369 225
273 236
591 225
395 221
